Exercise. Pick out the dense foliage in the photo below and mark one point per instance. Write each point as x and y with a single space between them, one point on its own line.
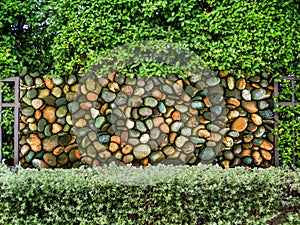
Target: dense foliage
67 36
151 195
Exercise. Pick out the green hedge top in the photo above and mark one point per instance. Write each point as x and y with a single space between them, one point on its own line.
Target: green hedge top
65 36
151 195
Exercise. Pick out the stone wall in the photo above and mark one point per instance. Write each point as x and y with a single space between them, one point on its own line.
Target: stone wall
217 118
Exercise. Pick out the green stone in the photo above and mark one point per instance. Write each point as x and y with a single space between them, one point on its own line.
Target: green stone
41 125
145 111
150 101
100 121
197 140
29 156
181 108
61 111
47 130
60 101
156 157
27 100
28 111
28 80
139 125
71 80
207 154
108 96
262 105
73 107
247 160
31 94
167 89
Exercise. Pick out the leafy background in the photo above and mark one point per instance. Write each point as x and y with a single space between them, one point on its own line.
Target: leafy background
242 37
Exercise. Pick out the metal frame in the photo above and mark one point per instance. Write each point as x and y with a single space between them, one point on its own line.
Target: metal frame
293 102
16 106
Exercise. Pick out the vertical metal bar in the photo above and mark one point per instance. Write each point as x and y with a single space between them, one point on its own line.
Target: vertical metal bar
1 156
276 153
294 138
16 123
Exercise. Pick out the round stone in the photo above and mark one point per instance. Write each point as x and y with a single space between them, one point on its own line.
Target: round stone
58 80
197 105
247 160
61 111
230 82
186 131
144 138
141 151
140 126
176 126
145 111
156 157
99 121
37 103
135 101
167 89
28 111
207 154
246 95
266 114
217 110
234 134
108 96
256 119
260 131
259 94
212 81
263 105
239 124
181 108
180 141
150 101
104 138
161 107
250 106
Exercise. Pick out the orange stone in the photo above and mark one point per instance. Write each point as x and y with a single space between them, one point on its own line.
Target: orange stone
271 88
256 119
176 115
115 139
241 83
172 138
49 83
266 145
35 143
38 114
203 121
80 123
111 76
128 90
113 147
56 128
127 149
233 114
250 106
255 85
69 147
22 126
145 162
266 154
92 96
74 87
239 124
207 102
223 74
49 114
234 102
85 105
158 121
204 133
257 158
246 152
58 150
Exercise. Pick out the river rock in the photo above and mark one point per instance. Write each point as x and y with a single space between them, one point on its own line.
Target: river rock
37 103
250 106
256 119
241 83
239 124
50 143
230 82
207 154
156 157
28 111
212 81
39 164
35 143
141 151
246 95
259 94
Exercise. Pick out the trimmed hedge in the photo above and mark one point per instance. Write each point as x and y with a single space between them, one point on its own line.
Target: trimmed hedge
151 195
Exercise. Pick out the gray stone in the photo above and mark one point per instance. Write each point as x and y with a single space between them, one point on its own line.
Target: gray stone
260 131
259 94
140 126
141 151
181 108
186 131
216 98
234 134
145 111
257 141
31 94
197 105
73 107
28 80
197 140
104 138
108 96
216 109
176 126
212 81
266 114
58 80
180 141
57 102
263 105
167 89
212 127
246 95
71 80
41 124
154 133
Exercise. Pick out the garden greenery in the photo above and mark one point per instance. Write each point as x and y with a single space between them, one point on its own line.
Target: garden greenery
123 195
242 37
